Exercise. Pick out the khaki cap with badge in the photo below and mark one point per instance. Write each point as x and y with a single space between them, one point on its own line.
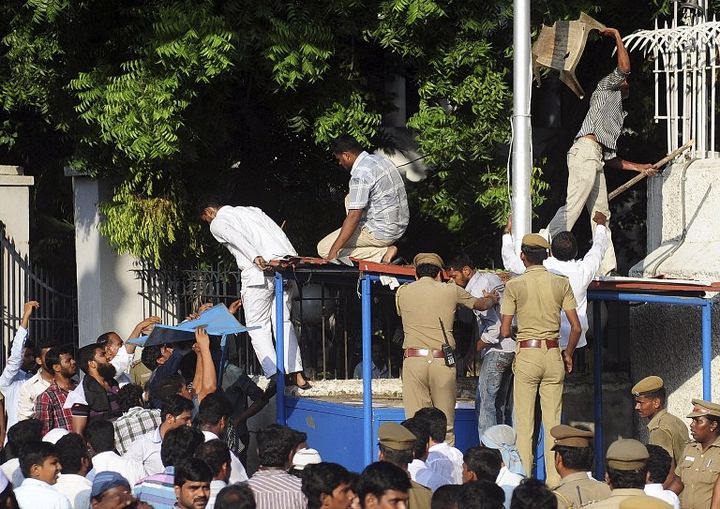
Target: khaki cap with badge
626 454
396 436
702 407
567 436
647 385
535 240
429 259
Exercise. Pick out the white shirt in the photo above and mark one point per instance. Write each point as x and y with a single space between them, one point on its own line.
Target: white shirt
122 361
488 321
237 470
657 491
11 469
76 488
146 453
110 461
33 494
421 474
13 377
508 481
29 392
446 462
215 486
579 273
248 233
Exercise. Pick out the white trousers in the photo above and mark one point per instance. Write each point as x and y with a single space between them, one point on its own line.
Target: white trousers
259 305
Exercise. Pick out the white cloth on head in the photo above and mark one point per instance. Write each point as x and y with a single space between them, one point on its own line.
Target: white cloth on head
11 469
54 435
446 461
145 452
502 437
237 470
13 377
33 494
656 490
304 457
76 488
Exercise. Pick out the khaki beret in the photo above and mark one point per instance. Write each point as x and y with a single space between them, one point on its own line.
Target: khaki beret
644 502
571 437
627 454
647 385
702 407
428 258
396 436
533 239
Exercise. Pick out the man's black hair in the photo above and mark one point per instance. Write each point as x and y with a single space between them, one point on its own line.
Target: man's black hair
627 478
461 260
167 387
100 434
87 354
42 344
207 200
150 355
484 462
564 246
175 405
658 463
427 269
35 453
534 254
345 143
533 494
300 437
421 430
179 444
446 497
379 477
576 458
52 357
275 443
213 407
215 453
192 469
322 478
481 495
72 450
436 421
396 457
235 496
20 433
130 396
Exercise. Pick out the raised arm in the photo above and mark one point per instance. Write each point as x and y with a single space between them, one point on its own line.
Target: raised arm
205 375
14 362
623 59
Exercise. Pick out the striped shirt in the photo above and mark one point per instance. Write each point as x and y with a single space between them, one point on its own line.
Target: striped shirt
276 489
132 425
157 490
377 187
605 117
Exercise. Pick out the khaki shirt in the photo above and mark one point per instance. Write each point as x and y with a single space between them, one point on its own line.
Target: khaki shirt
536 299
421 303
670 433
420 496
578 489
616 498
139 373
698 470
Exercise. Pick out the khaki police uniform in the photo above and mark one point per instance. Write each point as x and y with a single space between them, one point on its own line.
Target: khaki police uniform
626 455
644 503
665 429
578 488
397 437
699 469
426 380
536 298
139 373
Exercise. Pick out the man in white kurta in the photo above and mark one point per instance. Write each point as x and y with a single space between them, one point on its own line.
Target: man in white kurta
253 238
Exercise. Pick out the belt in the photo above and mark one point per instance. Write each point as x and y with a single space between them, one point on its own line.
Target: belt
423 352
538 343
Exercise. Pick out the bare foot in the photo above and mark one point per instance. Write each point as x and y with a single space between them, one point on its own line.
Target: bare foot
390 254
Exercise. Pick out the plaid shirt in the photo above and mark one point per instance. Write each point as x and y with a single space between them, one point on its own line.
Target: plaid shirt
49 409
132 425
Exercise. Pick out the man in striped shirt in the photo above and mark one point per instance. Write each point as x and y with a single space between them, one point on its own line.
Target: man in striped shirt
377 208
595 146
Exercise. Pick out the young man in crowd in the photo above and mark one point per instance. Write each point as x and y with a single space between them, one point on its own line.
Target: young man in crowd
37 384
443 459
136 420
659 463
75 461
383 485
119 353
192 484
236 496
50 405
484 464
419 471
212 419
40 464
327 486
110 490
99 436
481 495
217 456
20 434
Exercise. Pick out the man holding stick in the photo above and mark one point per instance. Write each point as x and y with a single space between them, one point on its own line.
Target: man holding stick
595 146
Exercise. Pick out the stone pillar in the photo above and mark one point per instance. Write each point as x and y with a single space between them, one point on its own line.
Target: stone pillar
108 293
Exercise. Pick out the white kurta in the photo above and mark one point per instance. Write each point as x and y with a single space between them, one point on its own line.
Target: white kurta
13 377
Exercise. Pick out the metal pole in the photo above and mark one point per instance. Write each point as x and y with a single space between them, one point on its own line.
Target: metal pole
598 390
522 149
707 349
280 348
367 369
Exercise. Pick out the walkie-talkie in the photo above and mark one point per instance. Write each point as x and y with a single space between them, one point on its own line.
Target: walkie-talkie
446 348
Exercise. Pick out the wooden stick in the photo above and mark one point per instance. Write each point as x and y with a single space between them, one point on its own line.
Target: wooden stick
662 162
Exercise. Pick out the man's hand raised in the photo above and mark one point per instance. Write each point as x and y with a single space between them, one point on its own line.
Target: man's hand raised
600 218
28 309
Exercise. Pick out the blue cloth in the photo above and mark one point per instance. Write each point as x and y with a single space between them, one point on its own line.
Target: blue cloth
502 437
106 481
157 490
492 403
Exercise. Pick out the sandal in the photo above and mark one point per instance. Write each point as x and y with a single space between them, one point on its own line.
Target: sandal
292 379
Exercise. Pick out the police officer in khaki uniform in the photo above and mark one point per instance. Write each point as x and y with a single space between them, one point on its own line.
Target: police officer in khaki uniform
644 503
666 430
423 305
573 461
699 467
397 444
626 462
537 297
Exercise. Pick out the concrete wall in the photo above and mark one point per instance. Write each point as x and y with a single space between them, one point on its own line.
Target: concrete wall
107 289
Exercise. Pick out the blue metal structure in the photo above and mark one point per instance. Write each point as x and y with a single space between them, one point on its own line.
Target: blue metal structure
620 296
